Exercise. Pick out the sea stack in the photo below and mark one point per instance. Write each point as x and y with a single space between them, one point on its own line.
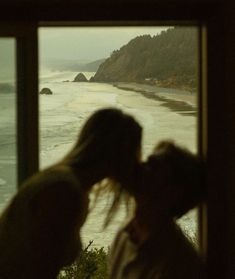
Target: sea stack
80 78
46 91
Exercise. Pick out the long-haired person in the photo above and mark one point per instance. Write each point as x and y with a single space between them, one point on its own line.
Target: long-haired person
39 229
152 246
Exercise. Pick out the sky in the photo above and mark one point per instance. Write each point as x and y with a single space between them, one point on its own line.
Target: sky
87 43
83 44
7 59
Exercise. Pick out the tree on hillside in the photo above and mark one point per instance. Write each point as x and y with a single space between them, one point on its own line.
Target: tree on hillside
171 55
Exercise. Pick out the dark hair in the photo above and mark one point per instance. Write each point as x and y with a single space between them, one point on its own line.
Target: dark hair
110 139
185 175
109 136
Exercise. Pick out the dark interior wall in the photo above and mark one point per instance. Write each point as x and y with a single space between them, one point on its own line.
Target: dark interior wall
104 9
219 16
221 147
230 133
113 2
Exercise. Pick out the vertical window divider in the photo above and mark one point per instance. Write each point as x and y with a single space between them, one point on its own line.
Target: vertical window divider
27 103
202 129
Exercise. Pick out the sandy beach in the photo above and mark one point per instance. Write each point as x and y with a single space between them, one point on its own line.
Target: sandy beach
152 91
163 114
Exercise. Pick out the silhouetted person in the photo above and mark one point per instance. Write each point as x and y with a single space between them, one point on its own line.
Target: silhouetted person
169 184
39 230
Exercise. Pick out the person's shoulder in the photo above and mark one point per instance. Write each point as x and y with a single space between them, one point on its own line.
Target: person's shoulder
57 172
53 177
53 192
187 259
178 258
55 185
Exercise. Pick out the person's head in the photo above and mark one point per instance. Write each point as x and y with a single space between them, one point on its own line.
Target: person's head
174 178
109 145
110 140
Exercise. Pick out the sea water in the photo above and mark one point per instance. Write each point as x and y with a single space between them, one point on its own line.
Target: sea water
62 115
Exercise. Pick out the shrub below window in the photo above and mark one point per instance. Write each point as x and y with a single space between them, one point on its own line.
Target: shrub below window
92 264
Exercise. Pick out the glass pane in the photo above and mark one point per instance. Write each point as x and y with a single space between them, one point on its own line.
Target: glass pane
7 120
158 86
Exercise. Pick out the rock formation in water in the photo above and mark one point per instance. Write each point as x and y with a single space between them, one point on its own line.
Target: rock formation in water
46 91
80 78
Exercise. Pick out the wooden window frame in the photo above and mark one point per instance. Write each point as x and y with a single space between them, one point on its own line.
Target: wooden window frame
27 96
217 240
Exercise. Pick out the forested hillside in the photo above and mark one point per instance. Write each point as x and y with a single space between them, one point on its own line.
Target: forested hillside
167 59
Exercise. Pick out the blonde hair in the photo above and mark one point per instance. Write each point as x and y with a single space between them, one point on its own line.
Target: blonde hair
186 174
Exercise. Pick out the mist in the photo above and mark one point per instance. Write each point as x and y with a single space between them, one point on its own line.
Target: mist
87 43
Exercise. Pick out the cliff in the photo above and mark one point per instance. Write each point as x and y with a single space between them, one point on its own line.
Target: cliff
168 59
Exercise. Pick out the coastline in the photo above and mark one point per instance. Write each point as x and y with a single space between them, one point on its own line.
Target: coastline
181 101
62 116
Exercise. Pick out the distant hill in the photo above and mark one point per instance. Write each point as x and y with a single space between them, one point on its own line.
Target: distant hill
168 59
72 65
92 66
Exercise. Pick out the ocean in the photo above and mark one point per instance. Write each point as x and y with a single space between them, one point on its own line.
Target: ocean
62 115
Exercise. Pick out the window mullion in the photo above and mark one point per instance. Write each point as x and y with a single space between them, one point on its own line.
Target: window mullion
27 103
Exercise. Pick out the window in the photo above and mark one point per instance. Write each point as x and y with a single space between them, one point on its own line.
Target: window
216 127
164 102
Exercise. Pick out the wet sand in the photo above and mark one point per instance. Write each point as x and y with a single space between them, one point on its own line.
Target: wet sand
179 101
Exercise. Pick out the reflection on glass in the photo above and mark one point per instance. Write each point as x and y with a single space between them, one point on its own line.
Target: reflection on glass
7 121
149 72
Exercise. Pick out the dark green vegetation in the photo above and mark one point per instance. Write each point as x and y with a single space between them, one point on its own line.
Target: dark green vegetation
168 60
92 264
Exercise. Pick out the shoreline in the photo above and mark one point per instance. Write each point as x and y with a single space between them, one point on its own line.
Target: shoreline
177 100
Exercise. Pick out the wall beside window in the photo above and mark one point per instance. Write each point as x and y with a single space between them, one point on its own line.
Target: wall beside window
219 18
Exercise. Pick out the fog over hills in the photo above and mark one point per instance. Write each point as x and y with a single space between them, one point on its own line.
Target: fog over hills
71 65
7 60
88 43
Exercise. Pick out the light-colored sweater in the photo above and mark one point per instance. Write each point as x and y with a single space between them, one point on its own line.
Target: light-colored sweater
165 255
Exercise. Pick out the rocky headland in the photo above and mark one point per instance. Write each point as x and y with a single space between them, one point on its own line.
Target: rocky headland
166 60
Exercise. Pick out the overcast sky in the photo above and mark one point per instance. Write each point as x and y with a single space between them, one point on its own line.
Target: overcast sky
87 43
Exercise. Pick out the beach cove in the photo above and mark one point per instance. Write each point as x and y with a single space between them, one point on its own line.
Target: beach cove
63 114
153 91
